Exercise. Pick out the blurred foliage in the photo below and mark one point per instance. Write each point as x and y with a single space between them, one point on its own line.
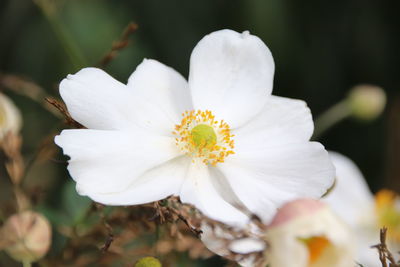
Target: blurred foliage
321 50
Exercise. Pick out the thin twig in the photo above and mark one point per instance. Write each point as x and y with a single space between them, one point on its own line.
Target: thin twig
15 167
168 212
110 235
26 88
384 253
159 213
63 110
192 228
117 46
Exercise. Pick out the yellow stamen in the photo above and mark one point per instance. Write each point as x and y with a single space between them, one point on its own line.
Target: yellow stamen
200 136
316 246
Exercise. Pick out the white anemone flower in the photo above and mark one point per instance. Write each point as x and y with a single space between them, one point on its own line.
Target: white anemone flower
218 141
352 200
306 233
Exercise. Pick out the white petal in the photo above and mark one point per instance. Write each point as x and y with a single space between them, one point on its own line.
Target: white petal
352 200
216 239
198 190
155 184
98 101
351 197
366 238
163 86
282 121
232 243
110 161
247 245
266 178
231 74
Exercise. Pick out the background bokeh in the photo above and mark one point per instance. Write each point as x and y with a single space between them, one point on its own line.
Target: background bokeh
321 50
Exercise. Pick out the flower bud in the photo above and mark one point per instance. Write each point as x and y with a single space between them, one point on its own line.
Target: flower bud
148 262
367 101
27 236
10 117
311 234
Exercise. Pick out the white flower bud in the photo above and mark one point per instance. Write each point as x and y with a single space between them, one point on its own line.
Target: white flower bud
367 101
27 236
10 117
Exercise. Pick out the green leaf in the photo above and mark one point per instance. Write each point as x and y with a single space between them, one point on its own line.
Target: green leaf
74 205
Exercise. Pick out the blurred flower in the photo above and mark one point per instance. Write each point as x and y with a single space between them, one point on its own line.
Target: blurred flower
305 232
220 141
367 101
352 200
364 102
26 236
148 262
10 117
387 209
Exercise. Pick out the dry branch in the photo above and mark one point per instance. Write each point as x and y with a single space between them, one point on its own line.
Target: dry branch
119 45
385 256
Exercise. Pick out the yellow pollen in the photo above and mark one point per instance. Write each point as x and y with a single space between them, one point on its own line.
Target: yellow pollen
200 136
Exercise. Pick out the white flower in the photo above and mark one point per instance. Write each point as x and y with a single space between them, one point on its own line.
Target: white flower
352 200
305 233
219 141
10 117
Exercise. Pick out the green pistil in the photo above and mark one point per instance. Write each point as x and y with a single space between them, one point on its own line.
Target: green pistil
203 136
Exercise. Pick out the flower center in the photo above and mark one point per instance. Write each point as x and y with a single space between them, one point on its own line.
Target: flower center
316 245
387 206
202 137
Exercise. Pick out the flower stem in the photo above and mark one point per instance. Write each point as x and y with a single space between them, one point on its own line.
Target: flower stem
49 10
26 264
332 116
